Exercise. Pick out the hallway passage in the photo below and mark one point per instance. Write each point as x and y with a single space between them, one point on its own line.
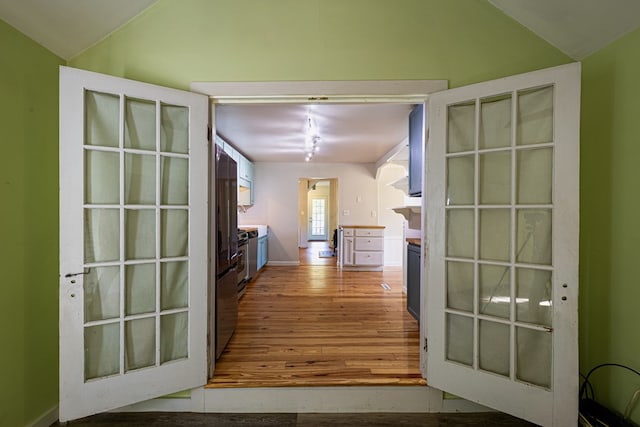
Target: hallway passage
317 325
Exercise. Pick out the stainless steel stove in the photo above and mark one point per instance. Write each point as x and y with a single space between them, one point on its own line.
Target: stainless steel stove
243 258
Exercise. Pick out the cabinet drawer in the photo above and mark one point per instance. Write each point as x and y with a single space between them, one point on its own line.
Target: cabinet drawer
347 232
369 244
370 232
369 258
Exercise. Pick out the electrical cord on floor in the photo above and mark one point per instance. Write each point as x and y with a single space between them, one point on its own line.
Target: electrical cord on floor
593 413
587 390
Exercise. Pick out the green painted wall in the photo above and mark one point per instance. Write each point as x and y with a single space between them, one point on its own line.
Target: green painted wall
28 228
177 42
610 215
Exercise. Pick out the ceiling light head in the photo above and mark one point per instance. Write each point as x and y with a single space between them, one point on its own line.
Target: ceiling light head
312 136
311 129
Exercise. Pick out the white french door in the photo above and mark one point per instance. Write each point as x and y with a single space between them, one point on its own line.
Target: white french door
133 242
319 218
502 212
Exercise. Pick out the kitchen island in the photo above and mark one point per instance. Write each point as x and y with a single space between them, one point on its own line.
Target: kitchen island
361 247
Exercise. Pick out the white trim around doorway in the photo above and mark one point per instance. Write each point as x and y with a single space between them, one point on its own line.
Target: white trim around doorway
315 399
340 91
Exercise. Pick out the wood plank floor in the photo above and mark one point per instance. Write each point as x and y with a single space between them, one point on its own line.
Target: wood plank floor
317 325
311 254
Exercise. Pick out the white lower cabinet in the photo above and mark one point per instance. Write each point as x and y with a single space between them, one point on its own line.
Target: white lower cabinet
347 252
362 248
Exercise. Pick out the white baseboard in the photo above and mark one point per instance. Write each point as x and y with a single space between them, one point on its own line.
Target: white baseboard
46 419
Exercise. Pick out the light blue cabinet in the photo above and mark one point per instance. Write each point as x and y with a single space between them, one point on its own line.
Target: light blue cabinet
245 173
413 280
263 251
220 142
416 142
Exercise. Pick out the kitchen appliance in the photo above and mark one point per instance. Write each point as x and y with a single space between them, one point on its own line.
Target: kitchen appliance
243 267
226 295
252 252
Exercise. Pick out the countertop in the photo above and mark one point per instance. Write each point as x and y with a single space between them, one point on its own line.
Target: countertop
417 242
242 227
362 226
261 229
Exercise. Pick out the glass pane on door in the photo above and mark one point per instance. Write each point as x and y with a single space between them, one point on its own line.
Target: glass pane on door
318 217
136 224
498 234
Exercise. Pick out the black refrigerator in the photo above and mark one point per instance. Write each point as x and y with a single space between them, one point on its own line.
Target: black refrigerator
226 292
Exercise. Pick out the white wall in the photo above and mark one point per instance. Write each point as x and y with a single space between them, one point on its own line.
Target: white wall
390 197
276 200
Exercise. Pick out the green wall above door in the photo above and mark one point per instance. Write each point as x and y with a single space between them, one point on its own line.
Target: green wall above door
177 42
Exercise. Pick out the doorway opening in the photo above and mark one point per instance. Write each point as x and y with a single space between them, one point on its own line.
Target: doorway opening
317 220
319 326
338 313
382 92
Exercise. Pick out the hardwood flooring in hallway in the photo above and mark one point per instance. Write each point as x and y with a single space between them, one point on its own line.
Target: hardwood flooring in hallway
317 325
311 254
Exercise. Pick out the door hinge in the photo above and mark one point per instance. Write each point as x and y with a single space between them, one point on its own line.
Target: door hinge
209 133
426 346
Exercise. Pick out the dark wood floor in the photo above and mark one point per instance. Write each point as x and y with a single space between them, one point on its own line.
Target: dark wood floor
171 419
317 325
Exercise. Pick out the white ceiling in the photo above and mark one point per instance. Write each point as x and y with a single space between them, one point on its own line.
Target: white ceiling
349 133
360 133
576 27
67 27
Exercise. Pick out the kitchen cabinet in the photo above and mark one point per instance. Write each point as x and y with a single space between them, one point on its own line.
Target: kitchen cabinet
220 141
347 248
362 248
245 192
413 280
245 171
263 253
228 148
245 182
416 144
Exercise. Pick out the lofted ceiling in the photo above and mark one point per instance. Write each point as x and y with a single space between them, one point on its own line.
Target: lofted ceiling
576 27
349 133
68 27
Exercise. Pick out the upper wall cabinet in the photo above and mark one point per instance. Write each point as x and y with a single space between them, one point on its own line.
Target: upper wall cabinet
245 169
245 173
416 144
